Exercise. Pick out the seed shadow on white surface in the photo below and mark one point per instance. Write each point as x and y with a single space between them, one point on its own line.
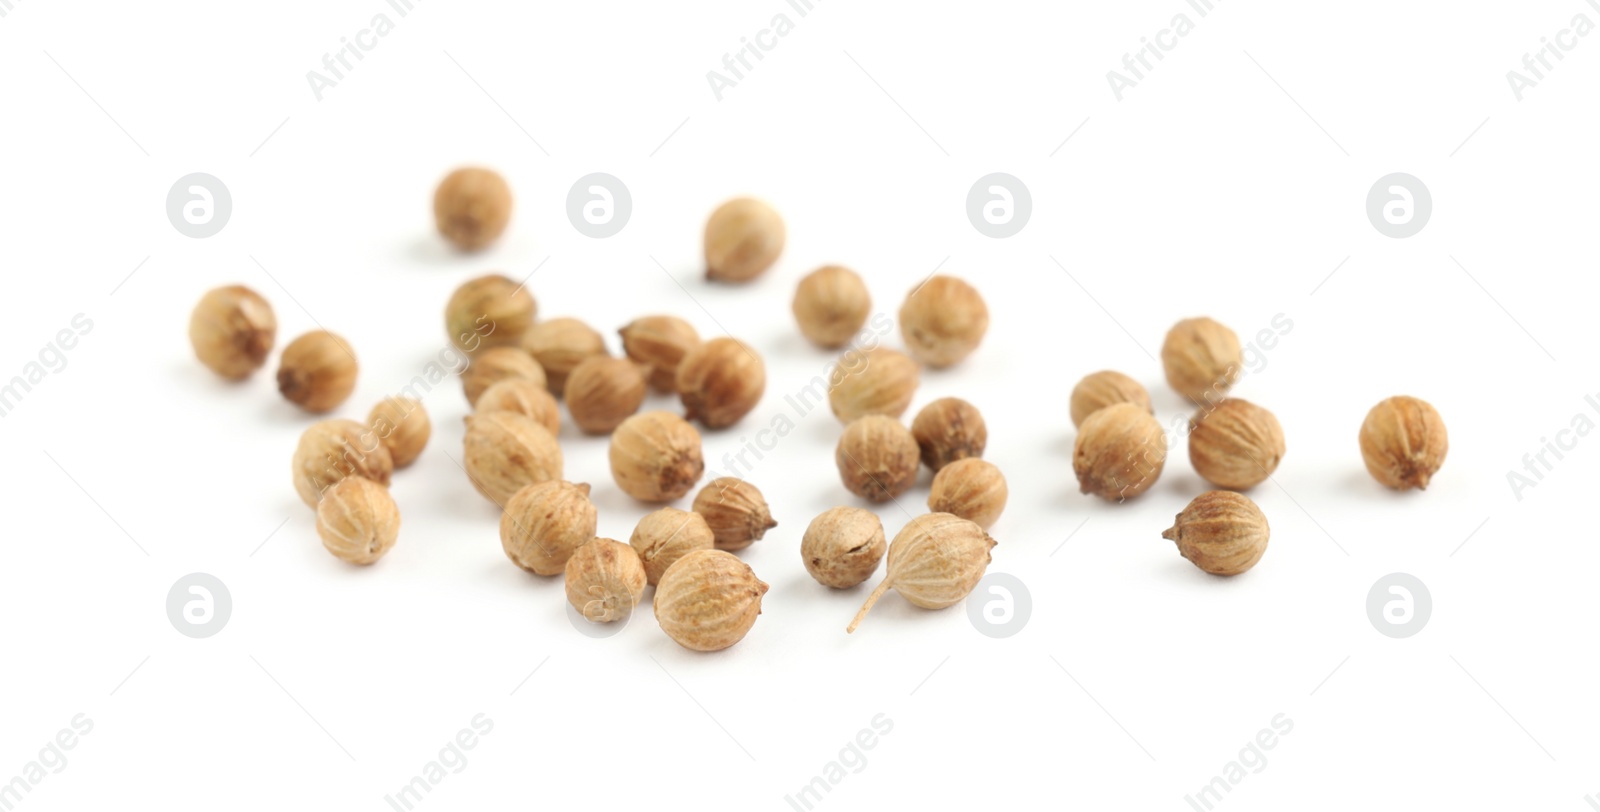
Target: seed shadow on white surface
430 248
1361 483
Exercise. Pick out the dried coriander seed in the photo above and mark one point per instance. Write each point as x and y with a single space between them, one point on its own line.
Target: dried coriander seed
943 321
708 600
523 396
744 237
947 430
876 381
605 580
842 547
604 391
1101 389
720 381
357 520
496 364
1403 442
317 371
877 458
736 512
1235 445
656 457
935 561
1221 532
971 488
668 534
471 207
544 523
506 451
560 345
332 450
490 311
1202 359
232 330
660 343
1119 452
403 427
831 304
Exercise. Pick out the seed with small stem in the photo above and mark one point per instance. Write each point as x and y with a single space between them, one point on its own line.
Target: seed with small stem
935 561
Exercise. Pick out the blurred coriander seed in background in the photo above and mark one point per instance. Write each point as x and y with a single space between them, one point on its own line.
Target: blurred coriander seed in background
471 207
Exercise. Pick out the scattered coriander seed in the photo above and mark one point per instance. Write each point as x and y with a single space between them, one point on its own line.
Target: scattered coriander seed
506 451
1221 532
471 207
736 512
357 520
877 458
1202 359
943 321
1403 442
403 426
1119 452
604 391
656 457
490 311
232 330
831 304
605 580
496 364
1235 444
543 524
876 381
708 600
668 534
524 396
317 371
971 488
744 236
332 450
1098 390
842 547
659 342
720 381
947 430
935 561
560 345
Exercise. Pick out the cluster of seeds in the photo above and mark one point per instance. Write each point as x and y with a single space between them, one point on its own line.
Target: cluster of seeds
706 598
341 467
1234 444
937 559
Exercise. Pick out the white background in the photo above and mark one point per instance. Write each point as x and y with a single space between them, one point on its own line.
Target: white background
1206 190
